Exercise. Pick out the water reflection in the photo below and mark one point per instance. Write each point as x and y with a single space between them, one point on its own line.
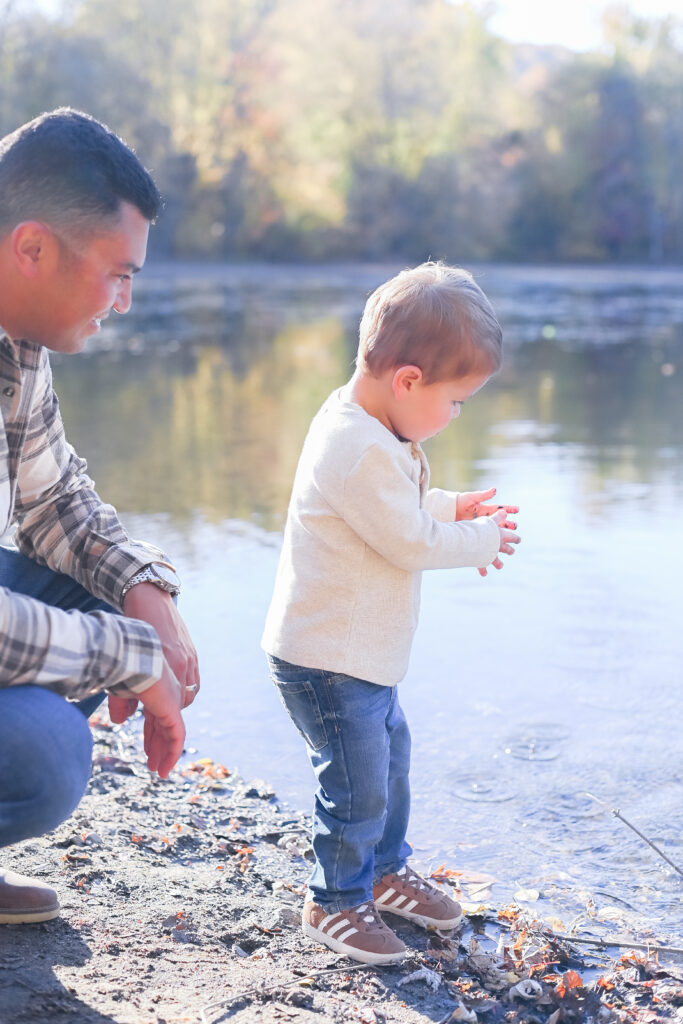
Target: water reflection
200 398
556 677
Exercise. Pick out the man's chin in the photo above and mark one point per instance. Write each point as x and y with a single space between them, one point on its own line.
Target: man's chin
68 346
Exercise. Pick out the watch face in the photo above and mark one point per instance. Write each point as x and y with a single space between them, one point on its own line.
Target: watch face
165 573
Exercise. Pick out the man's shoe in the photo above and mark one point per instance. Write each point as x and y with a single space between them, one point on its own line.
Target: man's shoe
25 901
359 933
408 895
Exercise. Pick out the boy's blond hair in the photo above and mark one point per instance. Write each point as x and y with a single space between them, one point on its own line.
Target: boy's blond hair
435 317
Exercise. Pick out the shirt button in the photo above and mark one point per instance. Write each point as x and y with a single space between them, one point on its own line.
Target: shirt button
9 391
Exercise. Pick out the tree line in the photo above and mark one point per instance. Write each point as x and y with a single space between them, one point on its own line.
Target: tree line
362 129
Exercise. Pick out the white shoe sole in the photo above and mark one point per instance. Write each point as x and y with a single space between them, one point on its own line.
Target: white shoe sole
28 917
424 922
362 955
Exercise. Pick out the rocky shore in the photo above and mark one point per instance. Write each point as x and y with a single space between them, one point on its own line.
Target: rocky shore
181 901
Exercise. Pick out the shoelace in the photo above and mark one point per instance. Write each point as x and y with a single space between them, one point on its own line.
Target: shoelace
412 878
372 917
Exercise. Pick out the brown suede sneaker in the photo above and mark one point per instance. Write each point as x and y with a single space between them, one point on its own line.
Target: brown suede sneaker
408 895
24 900
360 933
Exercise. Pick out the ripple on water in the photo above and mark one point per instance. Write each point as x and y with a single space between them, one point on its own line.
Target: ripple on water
573 806
536 741
480 787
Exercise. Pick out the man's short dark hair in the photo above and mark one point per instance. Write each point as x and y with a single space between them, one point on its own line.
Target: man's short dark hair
67 169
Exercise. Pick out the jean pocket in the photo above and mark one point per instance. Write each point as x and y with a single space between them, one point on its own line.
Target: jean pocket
301 703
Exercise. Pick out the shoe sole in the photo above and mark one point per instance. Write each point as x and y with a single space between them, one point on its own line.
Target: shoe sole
363 955
28 917
424 922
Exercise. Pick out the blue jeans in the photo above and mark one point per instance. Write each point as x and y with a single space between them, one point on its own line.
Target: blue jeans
358 744
45 741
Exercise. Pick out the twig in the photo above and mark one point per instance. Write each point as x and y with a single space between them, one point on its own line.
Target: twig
606 943
618 814
257 990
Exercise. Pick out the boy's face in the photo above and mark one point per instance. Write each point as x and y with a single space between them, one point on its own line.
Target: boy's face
424 410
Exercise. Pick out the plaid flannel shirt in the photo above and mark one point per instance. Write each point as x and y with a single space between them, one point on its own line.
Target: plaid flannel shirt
62 523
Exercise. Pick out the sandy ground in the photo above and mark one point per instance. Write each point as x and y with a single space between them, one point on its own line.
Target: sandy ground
181 902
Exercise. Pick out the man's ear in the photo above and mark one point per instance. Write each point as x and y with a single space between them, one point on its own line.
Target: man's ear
34 247
404 379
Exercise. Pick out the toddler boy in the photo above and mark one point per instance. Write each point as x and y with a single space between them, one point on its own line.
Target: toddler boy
362 525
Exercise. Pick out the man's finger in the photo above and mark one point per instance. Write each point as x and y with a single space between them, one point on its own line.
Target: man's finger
190 694
174 748
121 708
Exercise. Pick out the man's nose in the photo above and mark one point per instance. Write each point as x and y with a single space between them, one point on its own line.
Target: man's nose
123 296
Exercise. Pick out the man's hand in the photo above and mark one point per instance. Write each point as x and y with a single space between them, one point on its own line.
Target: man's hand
473 503
507 538
151 604
164 731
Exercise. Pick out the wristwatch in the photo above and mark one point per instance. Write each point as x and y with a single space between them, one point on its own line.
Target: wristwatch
161 574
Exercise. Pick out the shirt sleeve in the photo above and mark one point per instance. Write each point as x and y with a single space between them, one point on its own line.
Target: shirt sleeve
73 653
62 522
381 504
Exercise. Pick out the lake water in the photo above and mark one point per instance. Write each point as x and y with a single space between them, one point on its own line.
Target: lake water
557 677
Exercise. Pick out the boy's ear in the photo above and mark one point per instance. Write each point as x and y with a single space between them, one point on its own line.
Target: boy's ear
34 247
404 379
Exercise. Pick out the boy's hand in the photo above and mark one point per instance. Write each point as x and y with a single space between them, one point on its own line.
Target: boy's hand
164 730
507 538
473 503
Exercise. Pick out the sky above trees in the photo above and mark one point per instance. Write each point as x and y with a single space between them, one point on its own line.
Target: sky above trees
578 25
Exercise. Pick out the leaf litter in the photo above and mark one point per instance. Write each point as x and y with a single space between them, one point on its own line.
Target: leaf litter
181 902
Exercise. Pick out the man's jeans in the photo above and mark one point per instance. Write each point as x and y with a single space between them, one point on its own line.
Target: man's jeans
45 741
358 743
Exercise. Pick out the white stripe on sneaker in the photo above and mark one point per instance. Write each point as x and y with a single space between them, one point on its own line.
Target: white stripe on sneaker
409 906
345 935
328 921
342 923
385 896
399 901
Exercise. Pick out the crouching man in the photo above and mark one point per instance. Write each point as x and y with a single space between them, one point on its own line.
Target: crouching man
85 611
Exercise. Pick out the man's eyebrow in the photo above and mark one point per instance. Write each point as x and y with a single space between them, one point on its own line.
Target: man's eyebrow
132 267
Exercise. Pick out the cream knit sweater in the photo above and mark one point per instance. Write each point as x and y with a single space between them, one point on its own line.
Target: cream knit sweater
361 526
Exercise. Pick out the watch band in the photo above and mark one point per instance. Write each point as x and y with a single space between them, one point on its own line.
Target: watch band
149 575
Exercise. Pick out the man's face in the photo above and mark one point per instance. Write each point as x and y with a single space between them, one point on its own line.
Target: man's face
90 281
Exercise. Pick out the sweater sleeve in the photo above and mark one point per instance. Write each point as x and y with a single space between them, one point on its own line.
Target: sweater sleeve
381 505
443 505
